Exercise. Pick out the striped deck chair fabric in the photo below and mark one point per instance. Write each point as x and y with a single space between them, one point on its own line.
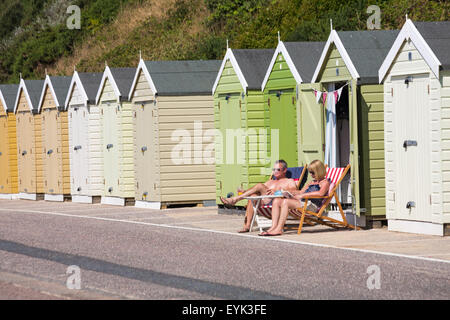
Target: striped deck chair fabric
335 176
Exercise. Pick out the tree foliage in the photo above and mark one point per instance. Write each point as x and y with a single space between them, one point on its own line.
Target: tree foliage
28 44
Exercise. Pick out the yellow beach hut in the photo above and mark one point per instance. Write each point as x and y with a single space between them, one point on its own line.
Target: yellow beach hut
55 138
8 142
29 140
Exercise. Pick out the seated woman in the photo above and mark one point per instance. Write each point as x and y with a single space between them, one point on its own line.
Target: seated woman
280 207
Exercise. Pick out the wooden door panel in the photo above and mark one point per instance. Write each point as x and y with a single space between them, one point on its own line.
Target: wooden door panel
4 155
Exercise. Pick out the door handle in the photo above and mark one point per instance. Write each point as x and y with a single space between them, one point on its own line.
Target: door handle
409 143
50 151
24 152
76 148
144 148
109 146
410 204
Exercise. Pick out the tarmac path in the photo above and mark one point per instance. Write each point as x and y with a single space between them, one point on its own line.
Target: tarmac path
130 253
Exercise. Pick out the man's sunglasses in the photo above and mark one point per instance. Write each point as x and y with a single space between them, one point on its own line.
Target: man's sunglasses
276 169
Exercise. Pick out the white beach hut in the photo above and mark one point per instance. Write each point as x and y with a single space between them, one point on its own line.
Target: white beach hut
85 140
416 77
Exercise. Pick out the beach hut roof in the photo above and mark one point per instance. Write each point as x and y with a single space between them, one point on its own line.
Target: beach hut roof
59 87
121 80
362 51
32 90
88 82
301 58
432 40
8 94
184 77
250 66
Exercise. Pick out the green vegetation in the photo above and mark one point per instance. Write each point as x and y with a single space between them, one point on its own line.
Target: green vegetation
34 36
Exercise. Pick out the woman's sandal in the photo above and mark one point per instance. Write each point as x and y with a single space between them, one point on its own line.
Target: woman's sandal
244 230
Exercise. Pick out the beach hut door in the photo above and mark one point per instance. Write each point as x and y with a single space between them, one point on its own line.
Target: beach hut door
3 153
145 151
80 164
352 94
27 170
412 148
233 157
111 149
311 125
51 163
283 115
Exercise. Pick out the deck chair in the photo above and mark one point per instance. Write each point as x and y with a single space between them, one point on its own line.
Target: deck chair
264 213
335 176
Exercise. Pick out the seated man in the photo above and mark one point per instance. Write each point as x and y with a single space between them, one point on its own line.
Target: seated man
267 188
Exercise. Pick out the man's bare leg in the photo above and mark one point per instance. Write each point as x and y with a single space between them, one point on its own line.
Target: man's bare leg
276 208
259 189
248 217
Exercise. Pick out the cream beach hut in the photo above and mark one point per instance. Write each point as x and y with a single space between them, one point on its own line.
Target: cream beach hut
117 132
55 138
85 139
29 140
174 132
8 142
416 77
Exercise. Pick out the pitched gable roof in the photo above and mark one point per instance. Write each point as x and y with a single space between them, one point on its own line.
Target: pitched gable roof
121 80
249 64
88 82
183 77
362 51
301 58
59 87
431 39
8 94
32 90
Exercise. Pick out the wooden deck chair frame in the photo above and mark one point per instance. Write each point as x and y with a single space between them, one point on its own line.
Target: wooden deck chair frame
317 217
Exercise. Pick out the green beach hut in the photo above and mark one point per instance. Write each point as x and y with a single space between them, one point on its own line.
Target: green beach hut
292 63
240 120
353 120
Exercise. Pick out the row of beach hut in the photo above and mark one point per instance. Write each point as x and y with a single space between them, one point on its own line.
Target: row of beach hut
171 132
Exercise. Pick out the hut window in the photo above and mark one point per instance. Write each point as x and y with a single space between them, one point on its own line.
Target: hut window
409 56
337 71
